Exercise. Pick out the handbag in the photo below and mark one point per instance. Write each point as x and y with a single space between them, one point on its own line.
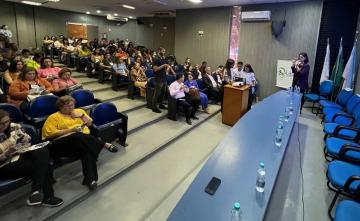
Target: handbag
194 92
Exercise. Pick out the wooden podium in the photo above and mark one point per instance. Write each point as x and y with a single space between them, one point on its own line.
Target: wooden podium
235 103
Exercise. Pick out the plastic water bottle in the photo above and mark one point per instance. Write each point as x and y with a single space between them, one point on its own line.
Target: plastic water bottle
281 122
278 136
260 181
236 212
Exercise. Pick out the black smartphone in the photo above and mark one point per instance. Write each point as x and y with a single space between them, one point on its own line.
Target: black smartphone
213 185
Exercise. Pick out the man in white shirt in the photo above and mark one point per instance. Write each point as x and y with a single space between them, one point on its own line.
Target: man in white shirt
179 91
238 72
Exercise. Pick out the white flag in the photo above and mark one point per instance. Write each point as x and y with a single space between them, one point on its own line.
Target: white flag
326 68
349 71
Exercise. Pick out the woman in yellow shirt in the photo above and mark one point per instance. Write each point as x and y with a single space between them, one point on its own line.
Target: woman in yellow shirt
70 134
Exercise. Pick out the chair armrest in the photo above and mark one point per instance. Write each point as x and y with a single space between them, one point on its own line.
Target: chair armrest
104 126
349 182
343 115
343 127
345 148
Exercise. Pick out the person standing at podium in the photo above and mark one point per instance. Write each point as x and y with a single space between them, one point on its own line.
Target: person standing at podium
250 80
301 69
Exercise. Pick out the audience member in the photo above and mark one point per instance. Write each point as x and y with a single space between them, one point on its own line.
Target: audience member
28 83
177 91
14 71
35 61
34 164
139 78
48 70
64 81
213 86
192 85
68 129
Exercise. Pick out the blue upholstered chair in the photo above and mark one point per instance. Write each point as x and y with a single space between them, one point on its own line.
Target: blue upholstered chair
340 102
40 108
15 113
344 116
344 179
109 124
347 210
84 99
325 91
149 73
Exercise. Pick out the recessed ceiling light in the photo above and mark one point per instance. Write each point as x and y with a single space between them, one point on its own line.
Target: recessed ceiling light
116 14
98 11
53 0
130 17
88 13
31 3
128 7
195 1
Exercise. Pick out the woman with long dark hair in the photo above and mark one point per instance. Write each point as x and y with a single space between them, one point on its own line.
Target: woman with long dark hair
35 164
301 70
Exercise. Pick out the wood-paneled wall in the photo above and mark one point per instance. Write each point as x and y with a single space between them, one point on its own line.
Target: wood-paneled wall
213 46
261 49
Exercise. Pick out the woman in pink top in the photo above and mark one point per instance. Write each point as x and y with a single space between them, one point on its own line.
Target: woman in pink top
64 81
48 70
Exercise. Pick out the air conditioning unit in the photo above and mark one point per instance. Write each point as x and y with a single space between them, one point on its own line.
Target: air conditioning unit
255 16
116 18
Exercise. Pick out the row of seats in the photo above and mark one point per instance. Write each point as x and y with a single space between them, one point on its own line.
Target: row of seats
108 124
341 119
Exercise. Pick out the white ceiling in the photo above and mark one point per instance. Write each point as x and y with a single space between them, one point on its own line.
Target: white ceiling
143 7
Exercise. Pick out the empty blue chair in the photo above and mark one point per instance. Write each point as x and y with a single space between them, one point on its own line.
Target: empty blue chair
344 130
149 73
40 108
341 100
325 91
344 179
336 148
170 79
108 123
347 210
84 99
342 116
15 113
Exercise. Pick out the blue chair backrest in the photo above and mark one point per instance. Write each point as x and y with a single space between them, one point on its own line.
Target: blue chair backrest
43 106
14 111
149 73
352 103
326 88
151 82
170 79
104 113
31 130
200 83
356 115
179 68
83 98
344 96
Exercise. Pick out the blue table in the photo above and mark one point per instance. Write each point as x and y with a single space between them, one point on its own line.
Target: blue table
236 160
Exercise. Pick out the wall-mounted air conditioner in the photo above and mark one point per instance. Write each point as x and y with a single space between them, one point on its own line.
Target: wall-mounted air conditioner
116 18
255 16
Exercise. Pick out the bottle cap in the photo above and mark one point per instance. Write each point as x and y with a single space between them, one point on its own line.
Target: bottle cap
237 205
262 165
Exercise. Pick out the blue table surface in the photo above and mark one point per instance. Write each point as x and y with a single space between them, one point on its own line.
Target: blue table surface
235 161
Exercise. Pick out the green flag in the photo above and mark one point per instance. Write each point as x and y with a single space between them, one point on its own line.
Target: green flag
337 71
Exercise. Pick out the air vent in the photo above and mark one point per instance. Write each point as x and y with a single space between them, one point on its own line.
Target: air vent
165 14
255 16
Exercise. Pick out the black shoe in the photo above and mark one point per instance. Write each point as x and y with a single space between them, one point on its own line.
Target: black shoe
156 110
52 202
161 106
188 121
92 185
194 117
34 199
